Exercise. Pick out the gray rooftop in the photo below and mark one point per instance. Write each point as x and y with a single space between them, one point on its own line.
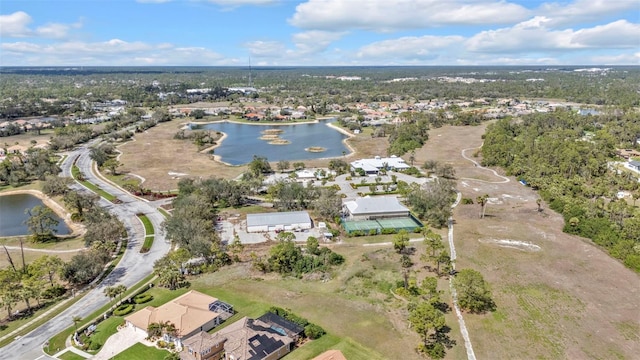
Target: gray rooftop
278 218
634 163
375 205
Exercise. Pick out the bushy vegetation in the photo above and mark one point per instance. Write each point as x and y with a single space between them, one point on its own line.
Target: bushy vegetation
473 291
34 164
432 201
287 258
142 298
123 309
566 157
311 331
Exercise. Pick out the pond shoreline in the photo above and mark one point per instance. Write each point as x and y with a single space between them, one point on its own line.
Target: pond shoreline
75 228
219 142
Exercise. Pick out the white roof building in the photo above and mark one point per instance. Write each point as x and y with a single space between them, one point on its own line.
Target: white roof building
291 220
372 166
377 207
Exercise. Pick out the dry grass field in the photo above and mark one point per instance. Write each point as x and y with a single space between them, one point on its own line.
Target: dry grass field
558 296
26 139
159 158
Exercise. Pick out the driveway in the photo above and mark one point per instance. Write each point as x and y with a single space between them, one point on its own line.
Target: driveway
119 342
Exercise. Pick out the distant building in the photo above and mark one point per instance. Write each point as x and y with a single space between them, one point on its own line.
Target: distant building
373 166
293 220
634 165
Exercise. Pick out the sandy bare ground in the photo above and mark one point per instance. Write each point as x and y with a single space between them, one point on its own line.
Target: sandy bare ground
558 296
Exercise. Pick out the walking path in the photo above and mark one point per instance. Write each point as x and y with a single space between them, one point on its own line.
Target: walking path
75 351
504 178
45 250
463 328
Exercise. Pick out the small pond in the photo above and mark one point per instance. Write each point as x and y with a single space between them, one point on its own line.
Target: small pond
12 215
244 141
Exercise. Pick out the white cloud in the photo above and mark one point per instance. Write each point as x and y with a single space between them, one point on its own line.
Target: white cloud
403 14
266 49
535 35
581 11
315 41
619 59
618 34
111 52
411 47
16 26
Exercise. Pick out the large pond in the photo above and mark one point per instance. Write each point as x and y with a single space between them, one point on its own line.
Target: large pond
243 141
13 217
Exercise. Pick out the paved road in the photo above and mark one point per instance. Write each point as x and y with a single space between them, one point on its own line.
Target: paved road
132 268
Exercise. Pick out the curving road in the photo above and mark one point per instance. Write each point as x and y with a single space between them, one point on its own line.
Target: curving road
132 268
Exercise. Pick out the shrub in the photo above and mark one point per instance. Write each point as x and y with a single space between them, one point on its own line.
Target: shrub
467 201
123 309
162 344
313 331
373 232
142 298
94 345
54 292
388 231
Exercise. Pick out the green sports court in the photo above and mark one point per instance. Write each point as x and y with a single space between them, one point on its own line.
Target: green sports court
399 223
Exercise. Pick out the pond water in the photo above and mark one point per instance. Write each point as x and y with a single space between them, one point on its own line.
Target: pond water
12 216
243 141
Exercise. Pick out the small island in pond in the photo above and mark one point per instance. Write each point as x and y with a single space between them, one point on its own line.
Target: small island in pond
315 149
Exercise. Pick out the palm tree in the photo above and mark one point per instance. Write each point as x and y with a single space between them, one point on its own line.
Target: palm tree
482 200
119 291
154 330
110 292
76 320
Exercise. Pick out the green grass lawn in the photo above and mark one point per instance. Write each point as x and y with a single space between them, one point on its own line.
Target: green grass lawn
141 352
75 172
57 342
164 212
106 329
162 295
122 179
350 349
70 356
148 226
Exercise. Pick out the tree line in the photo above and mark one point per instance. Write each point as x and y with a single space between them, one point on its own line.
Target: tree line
570 159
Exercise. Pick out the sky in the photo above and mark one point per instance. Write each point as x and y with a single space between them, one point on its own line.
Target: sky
318 32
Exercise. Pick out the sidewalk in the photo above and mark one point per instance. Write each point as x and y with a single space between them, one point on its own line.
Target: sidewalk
73 350
25 325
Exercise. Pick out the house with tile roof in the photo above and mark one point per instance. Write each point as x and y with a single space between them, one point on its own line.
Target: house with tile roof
190 313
